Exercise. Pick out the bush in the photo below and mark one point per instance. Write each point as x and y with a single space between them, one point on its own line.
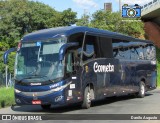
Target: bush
6 97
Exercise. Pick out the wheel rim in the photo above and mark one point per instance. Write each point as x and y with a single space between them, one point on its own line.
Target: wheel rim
88 97
142 90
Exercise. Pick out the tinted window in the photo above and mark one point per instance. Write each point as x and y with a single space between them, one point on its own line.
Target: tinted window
69 62
88 49
140 52
121 53
115 53
120 49
153 53
105 46
150 52
127 53
134 54
77 38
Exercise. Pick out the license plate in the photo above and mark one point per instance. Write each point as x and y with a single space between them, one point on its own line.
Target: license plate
36 102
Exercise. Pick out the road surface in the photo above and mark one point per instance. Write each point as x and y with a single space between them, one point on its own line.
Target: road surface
117 105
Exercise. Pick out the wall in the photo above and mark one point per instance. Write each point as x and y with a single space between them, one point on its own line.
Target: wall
153 32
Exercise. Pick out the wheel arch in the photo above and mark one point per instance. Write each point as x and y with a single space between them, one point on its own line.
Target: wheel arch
143 79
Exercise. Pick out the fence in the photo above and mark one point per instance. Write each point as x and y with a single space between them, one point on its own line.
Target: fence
2 80
10 80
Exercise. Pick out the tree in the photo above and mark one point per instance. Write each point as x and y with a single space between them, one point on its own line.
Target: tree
19 17
113 21
68 17
84 20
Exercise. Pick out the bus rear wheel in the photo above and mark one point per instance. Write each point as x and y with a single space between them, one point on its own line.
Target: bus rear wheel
142 90
45 107
88 94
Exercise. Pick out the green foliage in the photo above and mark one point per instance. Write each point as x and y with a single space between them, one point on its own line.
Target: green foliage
113 21
19 17
7 97
158 54
158 74
2 65
3 46
11 61
68 17
158 66
106 20
84 21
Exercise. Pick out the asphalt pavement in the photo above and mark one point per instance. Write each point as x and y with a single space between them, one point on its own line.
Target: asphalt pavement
150 104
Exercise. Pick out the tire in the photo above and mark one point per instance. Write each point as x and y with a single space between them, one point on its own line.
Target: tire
87 98
46 107
142 90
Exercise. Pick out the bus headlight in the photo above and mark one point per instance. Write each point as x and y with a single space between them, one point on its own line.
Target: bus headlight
17 91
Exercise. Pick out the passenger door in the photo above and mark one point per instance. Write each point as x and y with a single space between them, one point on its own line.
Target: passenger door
73 73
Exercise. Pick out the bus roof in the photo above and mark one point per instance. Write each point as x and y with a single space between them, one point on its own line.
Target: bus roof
69 30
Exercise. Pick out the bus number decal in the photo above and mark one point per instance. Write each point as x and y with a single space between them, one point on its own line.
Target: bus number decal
72 86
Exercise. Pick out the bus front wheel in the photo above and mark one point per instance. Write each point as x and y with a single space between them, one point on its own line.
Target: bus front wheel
87 97
142 90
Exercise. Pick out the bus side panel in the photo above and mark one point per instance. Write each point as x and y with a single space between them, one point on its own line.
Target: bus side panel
95 72
128 76
89 76
147 73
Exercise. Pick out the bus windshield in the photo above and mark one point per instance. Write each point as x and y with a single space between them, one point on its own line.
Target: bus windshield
39 61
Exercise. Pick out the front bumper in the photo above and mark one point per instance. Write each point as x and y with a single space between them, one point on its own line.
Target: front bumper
55 98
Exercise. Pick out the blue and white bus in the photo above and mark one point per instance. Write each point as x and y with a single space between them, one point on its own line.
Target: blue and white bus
68 65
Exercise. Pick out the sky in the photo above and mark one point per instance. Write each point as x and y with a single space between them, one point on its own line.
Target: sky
88 6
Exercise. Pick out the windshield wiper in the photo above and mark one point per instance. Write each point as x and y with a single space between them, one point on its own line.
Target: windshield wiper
34 76
28 77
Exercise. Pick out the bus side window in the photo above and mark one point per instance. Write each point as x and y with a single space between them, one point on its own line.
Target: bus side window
150 52
88 50
121 53
105 47
132 53
127 53
115 53
140 52
79 50
147 52
69 63
136 54
153 53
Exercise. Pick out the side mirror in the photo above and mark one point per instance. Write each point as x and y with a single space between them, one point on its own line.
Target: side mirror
64 48
5 55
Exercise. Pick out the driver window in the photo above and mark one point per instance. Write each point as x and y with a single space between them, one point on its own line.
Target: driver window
69 63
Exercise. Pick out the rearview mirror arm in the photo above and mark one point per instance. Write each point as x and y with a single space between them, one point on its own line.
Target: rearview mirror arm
64 48
5 55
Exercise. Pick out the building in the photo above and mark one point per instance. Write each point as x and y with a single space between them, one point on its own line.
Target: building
108 6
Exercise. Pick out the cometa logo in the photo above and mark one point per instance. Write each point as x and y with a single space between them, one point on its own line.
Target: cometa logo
103 68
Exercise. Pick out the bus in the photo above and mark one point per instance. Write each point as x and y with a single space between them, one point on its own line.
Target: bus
78 65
